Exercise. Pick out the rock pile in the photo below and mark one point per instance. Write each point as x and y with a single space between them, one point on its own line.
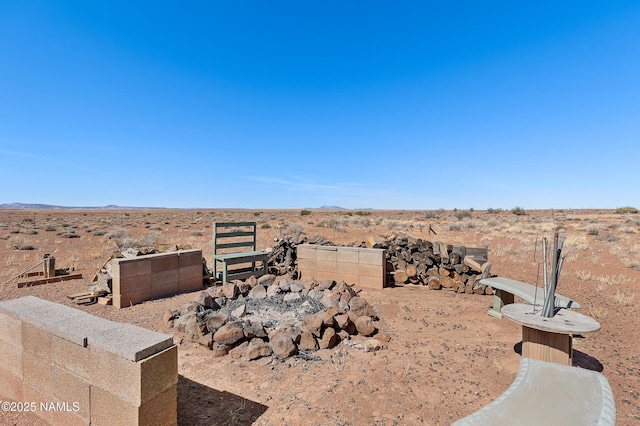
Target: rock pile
275 316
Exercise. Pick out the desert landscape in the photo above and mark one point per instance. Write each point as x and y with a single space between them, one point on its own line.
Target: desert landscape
445 359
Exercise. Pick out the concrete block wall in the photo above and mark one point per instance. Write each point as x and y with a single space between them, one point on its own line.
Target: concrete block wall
354 265
78 369
152 276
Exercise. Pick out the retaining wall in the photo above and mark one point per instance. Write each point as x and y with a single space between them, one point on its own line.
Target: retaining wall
354 265
152 276
73 368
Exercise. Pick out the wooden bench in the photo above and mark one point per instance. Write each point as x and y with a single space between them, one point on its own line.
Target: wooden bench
506 289
237 235
545 393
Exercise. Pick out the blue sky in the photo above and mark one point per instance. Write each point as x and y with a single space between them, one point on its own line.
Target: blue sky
394 105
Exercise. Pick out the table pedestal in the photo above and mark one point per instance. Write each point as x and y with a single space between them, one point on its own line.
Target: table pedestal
547 346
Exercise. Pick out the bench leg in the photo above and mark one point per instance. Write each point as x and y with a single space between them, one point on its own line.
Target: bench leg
547 346
500 299
224 273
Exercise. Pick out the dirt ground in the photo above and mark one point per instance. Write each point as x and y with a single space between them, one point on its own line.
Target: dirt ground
447 357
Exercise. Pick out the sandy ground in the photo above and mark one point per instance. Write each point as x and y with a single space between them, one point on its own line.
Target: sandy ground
447 357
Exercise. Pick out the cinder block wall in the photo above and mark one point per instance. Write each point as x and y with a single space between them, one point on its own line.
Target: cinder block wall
79 369
152 276
354 265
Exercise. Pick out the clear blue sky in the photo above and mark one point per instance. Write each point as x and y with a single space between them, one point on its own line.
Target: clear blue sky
269 104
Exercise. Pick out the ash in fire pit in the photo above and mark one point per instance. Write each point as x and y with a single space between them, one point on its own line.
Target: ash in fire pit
266 316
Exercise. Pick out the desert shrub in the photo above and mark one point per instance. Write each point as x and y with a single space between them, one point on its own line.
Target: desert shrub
305 212
518 211
593 230
20 244
98 232
462 214
363 213
196 234
147 240
430 214
469 224
50 228
257 213
5 237
626 210
607 237
69 234
455 227
157 228
265 226
30 232
14 231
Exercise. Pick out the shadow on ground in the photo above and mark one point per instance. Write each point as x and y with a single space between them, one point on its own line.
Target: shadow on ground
580 359
201 405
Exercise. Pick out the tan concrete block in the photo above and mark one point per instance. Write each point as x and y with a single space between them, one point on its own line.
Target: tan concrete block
348 255
134 284
309 274
11 359
115 375
134 267
161 410
64 414
188 258
69 388
135 382
190 272
370 271
166 290
371 282
132 298
191 284
307 264
348 268
37 373
371 257
36 341
10 330
10 386
324 275
159 279
347 278
31 394
305 251
327 266
158 373
70 356
324 254
164 262
109 410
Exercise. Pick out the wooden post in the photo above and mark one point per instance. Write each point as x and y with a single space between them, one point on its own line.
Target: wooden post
49 267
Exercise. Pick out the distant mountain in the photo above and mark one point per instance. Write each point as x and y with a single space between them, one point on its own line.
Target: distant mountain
332 208
24 206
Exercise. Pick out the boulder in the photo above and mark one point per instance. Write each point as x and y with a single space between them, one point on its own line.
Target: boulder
329 339
252 281
330 299
325 285
219 350
285 284
296 287
314 324
239 350
365 326
315 294
220 301
258 292
273 290
282 344
230 290
215 320
194 328
340 287
189 307
244 288
239 311
204 299
308 342
328 316
361 308
372 345
253 329
257 348
289 297
229 334
206 340
266 280
180 322
169 317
